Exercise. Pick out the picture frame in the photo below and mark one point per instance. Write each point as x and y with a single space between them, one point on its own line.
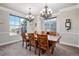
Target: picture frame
68 24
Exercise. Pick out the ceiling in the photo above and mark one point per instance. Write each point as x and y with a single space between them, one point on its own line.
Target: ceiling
35 7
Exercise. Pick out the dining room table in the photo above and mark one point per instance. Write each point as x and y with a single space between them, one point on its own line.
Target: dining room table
51 39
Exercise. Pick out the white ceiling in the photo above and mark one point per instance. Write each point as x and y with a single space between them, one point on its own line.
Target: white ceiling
35 7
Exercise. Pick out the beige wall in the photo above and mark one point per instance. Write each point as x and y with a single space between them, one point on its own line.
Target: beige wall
69 37
4 26
4 23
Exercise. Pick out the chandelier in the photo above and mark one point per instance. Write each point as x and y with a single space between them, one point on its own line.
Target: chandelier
46 13
30 17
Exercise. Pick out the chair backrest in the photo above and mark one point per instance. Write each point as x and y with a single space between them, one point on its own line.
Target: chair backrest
43 32
31 35
24 36
32 38
43 41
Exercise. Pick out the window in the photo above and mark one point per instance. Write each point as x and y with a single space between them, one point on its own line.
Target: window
16 23
49 25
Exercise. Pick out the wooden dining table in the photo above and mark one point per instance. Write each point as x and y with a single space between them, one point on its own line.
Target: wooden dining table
51 39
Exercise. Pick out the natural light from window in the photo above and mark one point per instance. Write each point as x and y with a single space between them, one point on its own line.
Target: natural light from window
15 24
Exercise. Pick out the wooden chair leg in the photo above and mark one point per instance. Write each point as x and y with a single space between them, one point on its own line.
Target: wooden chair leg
35 49
52 50
39 52
29 47
26 45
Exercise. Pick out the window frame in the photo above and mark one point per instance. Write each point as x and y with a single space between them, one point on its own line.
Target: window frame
15 23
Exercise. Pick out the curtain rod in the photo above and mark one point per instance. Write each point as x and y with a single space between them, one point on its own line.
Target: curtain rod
18 16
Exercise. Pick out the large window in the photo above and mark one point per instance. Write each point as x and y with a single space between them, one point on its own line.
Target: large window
49 25
16 24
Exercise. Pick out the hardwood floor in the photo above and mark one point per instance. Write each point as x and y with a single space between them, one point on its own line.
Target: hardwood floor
17 50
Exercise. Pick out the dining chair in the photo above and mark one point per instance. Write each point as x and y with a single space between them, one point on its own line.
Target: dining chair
59 37
32 42
25 39
43 44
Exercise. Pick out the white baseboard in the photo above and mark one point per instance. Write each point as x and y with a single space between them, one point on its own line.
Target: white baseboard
69 44
2 44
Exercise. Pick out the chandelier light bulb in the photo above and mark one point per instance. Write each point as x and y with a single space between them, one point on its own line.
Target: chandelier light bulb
49 10
32 17
48 13
43 10
27 16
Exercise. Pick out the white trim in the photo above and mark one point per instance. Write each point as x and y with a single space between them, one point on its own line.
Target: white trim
4 33
69 33
2 44
69 44
69 8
